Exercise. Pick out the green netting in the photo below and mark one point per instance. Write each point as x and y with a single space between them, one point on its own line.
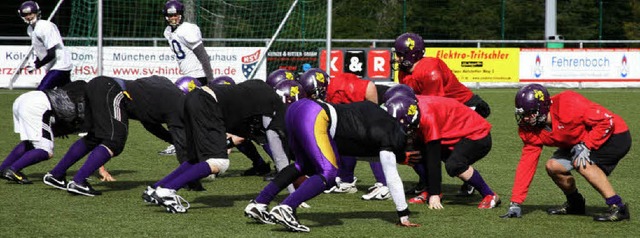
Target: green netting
255 21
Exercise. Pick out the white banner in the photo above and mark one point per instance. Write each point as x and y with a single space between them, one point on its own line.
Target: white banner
135 62
579 65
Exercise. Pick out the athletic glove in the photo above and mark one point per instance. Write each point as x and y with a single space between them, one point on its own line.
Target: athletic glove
514 211
580 155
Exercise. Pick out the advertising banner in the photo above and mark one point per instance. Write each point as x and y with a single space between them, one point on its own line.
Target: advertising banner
480 64
135 62
579 65
367 63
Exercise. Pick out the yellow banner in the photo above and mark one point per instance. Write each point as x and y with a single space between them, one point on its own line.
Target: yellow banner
480 64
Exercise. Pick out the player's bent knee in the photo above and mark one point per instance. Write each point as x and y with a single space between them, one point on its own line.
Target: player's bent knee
555 167
221 164
454 169
114 147
286 176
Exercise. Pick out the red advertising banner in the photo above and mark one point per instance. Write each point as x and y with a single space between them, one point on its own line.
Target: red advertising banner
379 64
337 61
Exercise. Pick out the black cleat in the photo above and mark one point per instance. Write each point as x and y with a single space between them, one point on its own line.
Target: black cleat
15 176
569 208
48 179
416 190
466 190
86 189
614 213
257 170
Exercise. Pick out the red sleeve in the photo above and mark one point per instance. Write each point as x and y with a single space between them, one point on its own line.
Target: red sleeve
525 171
346 88
601 122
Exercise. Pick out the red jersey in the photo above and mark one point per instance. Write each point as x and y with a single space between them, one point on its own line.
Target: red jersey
346 88
432 77
574 119
448 120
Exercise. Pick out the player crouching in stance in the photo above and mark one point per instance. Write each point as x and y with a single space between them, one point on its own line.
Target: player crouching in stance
38 116
447 131
209 114
319 133
590 139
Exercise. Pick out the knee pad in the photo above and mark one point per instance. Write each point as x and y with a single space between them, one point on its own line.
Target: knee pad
221 164
455 167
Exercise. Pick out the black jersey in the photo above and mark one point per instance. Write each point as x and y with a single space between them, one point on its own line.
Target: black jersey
245 103
154 100
364 129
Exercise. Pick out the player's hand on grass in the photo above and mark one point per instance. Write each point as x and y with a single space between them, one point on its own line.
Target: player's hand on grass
434 202
105 176
404 222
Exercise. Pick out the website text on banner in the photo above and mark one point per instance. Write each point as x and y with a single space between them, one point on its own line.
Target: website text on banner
484 65
135 62
579 65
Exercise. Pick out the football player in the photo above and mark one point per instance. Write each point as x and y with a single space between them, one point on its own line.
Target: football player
110 102
210 113
280 75
185 40
346 88
590 139
432 77
39 116
48 48
447 131
318 134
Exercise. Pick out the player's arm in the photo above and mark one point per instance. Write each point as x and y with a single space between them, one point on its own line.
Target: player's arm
434 172
394 182
371 93
159 131
602 126
203 57
524 172
51 54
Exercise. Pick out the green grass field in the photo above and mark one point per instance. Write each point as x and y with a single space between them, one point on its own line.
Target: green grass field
41 211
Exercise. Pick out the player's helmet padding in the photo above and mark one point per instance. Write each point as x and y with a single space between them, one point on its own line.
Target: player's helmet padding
279 75
290 91
405 110
27 8
532 106
409 48
172 8
187 84
315 82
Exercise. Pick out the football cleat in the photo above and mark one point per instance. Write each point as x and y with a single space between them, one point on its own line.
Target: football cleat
170 150
416 190
48 179
283 215
304 205
258 212
15 176
466 190
343 187
259 170
377 192
569 208
86 190
615 213
423 198
146 196
489 201
172 202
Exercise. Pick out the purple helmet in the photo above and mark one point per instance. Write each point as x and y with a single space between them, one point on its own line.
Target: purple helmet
172 8
187 84
290 91
532 106
27 8
409 48
279 75
405 109
315 82
398 89
225 80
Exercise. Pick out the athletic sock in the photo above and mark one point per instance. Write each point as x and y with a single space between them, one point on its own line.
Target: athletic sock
347 166
30 158
16 153
78 150
175 173
197 171
310 188
378 174
250 150
614 200
478 182
98 157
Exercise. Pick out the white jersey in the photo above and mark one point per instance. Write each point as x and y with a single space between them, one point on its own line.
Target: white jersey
182 41
46 36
